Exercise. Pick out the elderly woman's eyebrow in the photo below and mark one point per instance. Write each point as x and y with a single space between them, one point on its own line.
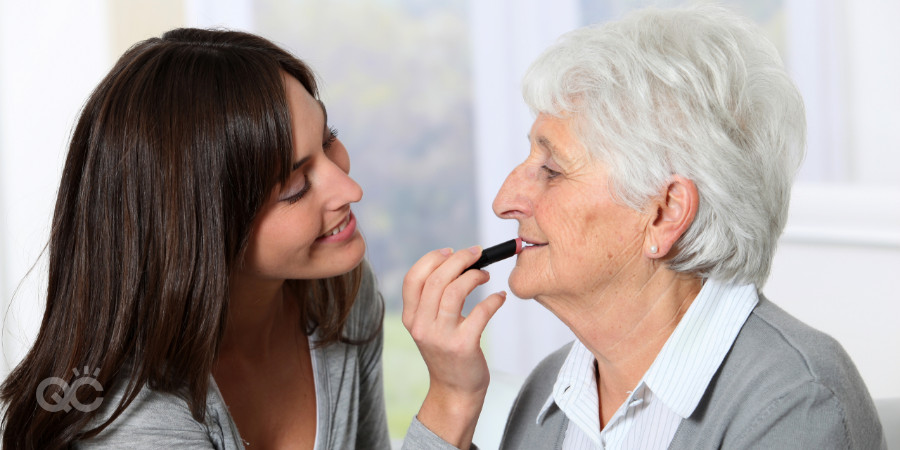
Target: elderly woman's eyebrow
544 142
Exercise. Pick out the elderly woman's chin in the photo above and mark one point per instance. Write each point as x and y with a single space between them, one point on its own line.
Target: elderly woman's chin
524 283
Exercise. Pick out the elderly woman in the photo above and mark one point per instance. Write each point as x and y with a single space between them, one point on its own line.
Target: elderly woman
654 192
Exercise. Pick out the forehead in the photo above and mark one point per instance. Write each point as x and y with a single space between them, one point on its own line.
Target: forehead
303 106
555 136
307 117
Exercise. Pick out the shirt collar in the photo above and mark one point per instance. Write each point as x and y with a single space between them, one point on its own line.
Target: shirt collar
693 353
688 360
574 381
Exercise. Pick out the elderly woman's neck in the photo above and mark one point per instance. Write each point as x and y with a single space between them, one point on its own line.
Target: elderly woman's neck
626 325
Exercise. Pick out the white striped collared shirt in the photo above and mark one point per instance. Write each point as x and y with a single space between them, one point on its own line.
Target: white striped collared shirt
671 388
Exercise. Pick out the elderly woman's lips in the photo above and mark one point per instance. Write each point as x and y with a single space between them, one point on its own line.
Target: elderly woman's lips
526 243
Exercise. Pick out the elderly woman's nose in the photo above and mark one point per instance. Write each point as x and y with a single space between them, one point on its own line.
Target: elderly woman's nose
512 201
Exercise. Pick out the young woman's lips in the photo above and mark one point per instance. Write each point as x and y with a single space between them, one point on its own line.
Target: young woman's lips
344 231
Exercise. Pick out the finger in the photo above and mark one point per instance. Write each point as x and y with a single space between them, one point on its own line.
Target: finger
455 294
414 281
478 319
440 278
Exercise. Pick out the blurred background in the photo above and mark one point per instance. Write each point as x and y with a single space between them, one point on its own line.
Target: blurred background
425 95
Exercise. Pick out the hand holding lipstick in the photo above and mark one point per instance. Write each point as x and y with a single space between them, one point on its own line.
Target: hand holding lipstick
434 292
498 253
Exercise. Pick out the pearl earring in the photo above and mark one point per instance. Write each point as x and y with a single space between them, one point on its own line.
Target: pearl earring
653 249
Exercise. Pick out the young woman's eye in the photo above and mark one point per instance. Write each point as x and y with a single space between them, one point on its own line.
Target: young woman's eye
550 173
294 198
330 138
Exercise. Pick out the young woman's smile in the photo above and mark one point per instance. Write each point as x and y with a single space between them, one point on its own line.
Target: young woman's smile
342 232
307 229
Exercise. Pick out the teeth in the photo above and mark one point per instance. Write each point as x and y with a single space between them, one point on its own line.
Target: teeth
340 227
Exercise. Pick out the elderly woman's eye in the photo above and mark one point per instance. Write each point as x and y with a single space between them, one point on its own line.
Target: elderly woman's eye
550 172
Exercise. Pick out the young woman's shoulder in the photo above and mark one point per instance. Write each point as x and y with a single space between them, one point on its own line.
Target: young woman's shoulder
162 420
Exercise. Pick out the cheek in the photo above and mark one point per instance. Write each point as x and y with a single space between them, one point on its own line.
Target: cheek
280 236
570 221
576 243
589 236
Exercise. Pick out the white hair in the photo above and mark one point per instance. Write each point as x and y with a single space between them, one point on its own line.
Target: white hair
695 91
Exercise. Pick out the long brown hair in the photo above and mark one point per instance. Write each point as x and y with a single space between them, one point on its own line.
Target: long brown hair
173 155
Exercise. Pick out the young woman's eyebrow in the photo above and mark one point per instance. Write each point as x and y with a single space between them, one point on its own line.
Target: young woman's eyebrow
300 163
303 161
324 114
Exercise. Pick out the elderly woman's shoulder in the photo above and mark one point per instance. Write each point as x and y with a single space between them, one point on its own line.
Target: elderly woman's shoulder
772 338
782 374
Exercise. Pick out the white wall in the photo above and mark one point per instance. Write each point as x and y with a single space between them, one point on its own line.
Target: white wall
873 95
52 53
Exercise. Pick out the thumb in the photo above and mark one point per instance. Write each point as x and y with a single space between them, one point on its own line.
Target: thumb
478 319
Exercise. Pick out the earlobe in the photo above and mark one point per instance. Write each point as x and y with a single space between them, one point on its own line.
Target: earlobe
675 209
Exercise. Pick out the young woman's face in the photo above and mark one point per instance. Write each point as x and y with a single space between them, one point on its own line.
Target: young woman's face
306 229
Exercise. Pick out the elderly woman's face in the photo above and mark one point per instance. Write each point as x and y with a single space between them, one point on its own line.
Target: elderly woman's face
581 238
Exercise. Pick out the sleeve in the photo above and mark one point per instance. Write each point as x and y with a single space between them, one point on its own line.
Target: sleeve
419 437
372 427
151 421
810 416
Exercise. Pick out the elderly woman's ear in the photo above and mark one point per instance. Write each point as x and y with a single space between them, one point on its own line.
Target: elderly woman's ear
672 212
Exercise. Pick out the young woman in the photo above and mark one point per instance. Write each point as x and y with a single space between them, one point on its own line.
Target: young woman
205 265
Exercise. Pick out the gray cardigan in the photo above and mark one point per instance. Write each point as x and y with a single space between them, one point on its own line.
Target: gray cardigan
782 385
349 394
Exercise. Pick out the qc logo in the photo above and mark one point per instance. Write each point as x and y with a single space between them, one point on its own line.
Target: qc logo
70 392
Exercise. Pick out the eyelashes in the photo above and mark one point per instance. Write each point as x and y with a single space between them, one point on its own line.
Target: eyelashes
330 138
296 197
550 173
326 144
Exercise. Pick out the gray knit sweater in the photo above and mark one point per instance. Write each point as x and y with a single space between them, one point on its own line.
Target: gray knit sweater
349 394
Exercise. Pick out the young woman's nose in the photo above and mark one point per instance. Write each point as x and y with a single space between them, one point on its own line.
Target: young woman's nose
345 190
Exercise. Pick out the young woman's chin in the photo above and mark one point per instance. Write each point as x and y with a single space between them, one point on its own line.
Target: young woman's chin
355 255
333 260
